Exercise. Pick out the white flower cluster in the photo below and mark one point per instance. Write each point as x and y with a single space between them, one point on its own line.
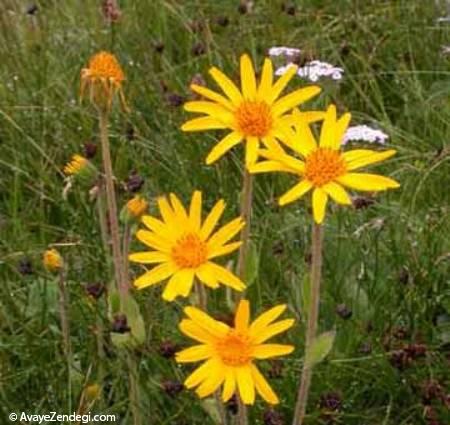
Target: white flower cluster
315 70
284 51
443 19
365 133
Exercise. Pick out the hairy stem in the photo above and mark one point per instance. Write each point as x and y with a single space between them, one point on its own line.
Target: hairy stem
64 315
135 400
313 315
122 284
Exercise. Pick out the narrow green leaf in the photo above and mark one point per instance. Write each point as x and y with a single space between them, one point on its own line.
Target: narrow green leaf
320 348
251 264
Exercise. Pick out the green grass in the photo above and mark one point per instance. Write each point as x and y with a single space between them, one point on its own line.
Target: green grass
389 263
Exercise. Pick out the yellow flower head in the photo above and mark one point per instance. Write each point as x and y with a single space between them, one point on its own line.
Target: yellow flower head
184 247
230 351
52 260
255 113
322 166
103 77
75 165
137 206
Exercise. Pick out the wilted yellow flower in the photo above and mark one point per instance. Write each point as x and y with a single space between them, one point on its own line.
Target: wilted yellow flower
75 165
103 77
254 113
230 351
184 247
136 207
322 166
52 260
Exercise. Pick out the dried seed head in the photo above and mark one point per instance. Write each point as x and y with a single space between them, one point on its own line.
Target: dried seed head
95 289
25 267
120 324
172 388
175 100
134 182
89 149
223 21
343 311
198 49
331 401
167 349
272 417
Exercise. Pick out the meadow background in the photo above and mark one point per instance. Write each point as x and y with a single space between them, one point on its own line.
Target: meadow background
386 270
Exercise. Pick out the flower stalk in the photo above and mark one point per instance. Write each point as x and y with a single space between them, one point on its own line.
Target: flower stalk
64 314
312 321
121 282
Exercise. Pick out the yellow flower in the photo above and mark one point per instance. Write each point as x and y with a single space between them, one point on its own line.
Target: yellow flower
254 114
323 167
75 165
230 351
137 206
52 260
104 78
184 247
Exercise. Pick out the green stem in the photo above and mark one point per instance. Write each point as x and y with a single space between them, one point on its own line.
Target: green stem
64 315
313 316
122 284
135 399
126 250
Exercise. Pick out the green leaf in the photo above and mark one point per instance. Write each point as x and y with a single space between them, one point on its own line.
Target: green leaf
319 348
136 336
43 296
251 264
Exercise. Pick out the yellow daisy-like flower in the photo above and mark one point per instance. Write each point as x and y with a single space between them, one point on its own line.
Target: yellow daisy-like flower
52 260
255 113
323 167
137 206
230 351
104 78
75 165
184 247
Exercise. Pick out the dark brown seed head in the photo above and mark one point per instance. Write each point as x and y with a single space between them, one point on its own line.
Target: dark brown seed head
172 388
167 349
232 405
25 267
272 417
134 182
120 324
198 49
431 390
365 348
159 47
175 100
223 21
343 311
95 289
331 401
276 369
89 149
362 202
32 9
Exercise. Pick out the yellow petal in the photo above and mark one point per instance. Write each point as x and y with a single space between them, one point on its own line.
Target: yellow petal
245 384
179 210
248 81
215 378
223 146
328 128
319 203
155 275
293 99
166 211
225 233
266 351
287 160
295 193
367 182
312 116
228 87
226 277
149 257
266 79
203 123
263 387
304 142
212 219
209 108
157 226
194 331
271 166
195 211
242 316
339 130
205 276
281 83
223 250
358 158
337 193
194 354
200 374
272 330
229 386
179 284
212 95
153 240
206 322
251 151
266 318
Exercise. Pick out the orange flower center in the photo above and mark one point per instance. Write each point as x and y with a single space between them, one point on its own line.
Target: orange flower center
254 118
323 166
234 349
189 251
105 65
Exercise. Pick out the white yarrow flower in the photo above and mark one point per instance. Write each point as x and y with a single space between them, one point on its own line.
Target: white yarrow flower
364 133
315 70
284 51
